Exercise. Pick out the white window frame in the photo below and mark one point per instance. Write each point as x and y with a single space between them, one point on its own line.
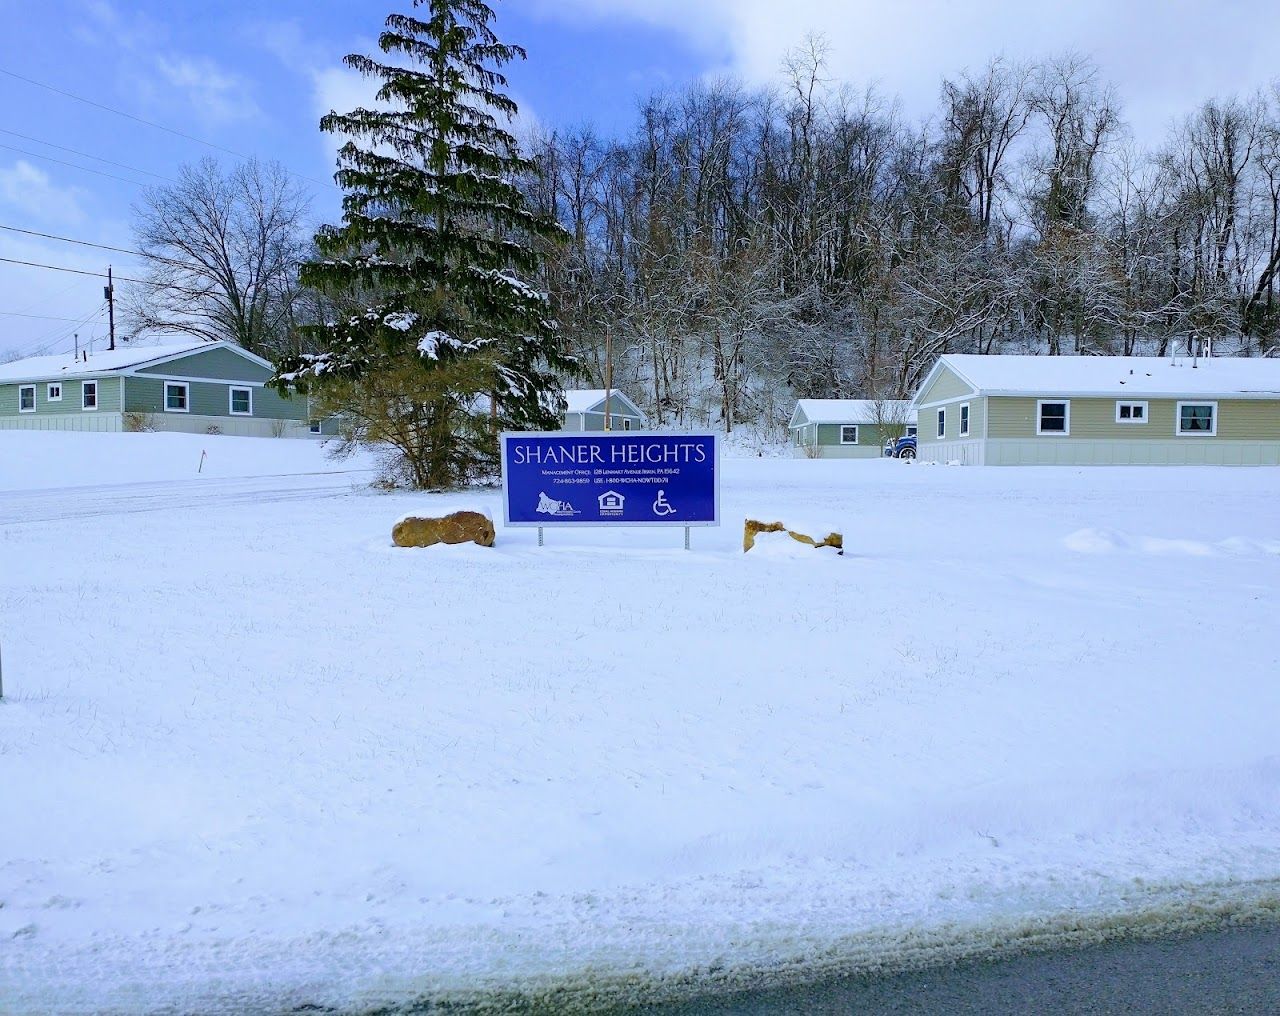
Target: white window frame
1146 413
626 423
942 423
315 427
231 400
847 426
1066 419
1177 420
49 389
186 396
32 390
964 419
84 390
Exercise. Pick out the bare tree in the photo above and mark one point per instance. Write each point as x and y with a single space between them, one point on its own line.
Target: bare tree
983 117
223 248
744 248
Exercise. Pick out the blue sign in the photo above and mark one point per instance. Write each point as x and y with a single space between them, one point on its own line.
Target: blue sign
618 478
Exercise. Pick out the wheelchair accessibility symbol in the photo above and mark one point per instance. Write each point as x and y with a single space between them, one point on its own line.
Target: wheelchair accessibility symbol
661 506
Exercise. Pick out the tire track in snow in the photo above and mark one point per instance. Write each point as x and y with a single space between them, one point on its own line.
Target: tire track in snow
54 505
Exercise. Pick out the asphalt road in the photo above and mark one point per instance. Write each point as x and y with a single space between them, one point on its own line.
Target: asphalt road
1229 971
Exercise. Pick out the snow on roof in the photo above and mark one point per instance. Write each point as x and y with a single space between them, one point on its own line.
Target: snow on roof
583 400
1118 375
847 410
35 368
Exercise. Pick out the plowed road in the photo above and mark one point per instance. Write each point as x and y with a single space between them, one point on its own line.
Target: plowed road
28 506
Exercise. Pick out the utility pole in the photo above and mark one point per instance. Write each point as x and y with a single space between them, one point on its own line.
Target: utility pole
608 377
109 292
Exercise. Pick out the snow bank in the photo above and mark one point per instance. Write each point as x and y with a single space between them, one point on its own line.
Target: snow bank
1103 541
255 758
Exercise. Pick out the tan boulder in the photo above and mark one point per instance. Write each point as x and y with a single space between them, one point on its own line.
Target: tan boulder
751 529
457 527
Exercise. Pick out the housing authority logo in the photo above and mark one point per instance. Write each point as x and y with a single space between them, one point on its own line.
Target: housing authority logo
611 503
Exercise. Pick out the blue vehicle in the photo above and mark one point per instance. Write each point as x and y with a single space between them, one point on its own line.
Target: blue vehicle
903 448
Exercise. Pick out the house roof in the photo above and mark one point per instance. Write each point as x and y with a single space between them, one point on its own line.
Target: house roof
124 357
584 400
1109 376
845 410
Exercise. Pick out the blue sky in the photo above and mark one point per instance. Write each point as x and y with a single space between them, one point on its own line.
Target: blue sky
252 78
255 77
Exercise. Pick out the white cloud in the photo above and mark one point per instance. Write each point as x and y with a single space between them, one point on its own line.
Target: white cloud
1164 56
163 77
336 88
31 193
220 96
47 296
31 297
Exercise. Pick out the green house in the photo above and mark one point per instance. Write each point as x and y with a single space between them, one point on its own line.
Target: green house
848 428
1100 410
195 387
586 408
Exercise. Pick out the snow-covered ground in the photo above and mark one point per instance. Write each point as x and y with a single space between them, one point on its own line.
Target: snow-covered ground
41 460
253 756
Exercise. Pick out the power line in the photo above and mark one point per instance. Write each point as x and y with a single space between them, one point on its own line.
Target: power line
119 112
102 275
37 317
55 334
43 343
86 155
54 268
103 246
152 123
86 243
53 296
63 162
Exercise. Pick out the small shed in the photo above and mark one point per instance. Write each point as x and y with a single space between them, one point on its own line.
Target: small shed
848 428
586 410
193 386
1100 410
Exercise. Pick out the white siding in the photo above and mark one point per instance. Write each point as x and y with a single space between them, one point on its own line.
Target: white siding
1112 452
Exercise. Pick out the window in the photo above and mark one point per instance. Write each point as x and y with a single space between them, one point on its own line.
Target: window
241 402
1197 419
964 419
626 423
1131 412
942 423
1053 418
314 426
848 434
911 430
89 395
175 397
54 392
27 399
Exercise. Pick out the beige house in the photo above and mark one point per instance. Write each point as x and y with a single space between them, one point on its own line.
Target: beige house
848 428
1100 410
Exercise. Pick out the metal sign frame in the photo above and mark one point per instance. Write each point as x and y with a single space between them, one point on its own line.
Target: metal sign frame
553 522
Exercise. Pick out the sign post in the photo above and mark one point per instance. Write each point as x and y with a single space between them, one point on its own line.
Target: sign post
616 478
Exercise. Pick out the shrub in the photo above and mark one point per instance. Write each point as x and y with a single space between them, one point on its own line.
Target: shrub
137 423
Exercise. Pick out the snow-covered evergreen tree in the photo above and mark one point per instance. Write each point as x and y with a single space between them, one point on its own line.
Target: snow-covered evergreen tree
434 241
